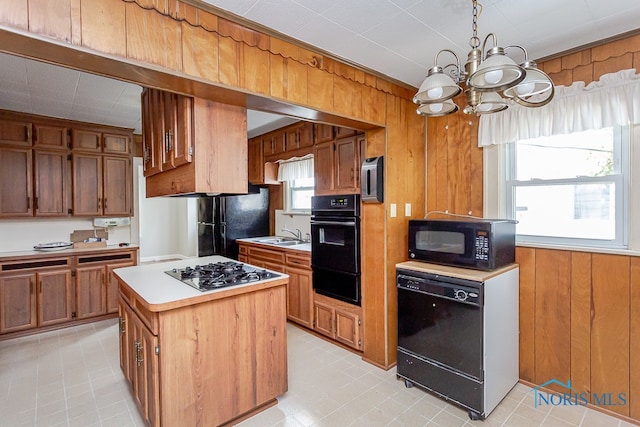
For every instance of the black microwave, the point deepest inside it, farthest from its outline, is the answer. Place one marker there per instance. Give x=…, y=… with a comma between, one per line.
x=484, y=244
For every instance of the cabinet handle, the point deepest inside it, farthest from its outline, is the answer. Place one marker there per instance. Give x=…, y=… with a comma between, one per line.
x=146, y=154
x=35, y=203
x=122, y=325
x=139, y=359
x=169, y=143
x=99, y=203
x=40, y=287
x=104, y=203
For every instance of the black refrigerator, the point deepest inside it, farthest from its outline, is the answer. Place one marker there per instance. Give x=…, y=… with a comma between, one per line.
x=223, y=219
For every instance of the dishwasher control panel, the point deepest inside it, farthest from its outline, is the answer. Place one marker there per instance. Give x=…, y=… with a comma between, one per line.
x=461, y=290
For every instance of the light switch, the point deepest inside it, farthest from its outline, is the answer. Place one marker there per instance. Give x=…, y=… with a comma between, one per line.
x=407, y=209
x=393, y=210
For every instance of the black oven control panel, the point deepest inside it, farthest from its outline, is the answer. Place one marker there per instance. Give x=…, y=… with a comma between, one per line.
x=461, y=290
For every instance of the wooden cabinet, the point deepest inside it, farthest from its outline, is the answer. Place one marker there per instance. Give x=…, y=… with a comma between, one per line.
x=17, y=302
x=297, y=264
x=299, y=136
x=299, y=289
x=55, y=303
x=274, y=144
x=260, y=172
x=40, y=176
x=338, y=320
x=337, y=165
x=212, y=160
x=42, y=292
x=178, y=362
x=102, y=185
x=322, y=133
x=31, y=299
x=51, y=172
x=16, y=185
x=167, y=130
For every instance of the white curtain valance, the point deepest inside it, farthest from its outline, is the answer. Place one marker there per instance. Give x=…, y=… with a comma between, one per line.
x=295, y=168
x=614, y=100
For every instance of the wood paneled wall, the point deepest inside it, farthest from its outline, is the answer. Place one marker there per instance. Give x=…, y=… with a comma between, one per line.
x=579, y=311
x=183, y=46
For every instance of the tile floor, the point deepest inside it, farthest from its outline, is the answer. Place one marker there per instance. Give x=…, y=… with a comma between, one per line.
x=72, y=377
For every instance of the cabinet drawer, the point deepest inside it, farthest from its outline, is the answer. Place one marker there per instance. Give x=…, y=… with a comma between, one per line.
x=150, y=319
x=298, y=260
x=243, y=250
x=267, y=255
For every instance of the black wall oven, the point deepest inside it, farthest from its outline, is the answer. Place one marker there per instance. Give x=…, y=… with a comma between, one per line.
x=335, y=246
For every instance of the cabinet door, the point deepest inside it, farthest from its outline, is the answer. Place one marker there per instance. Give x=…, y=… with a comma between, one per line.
x=274, y=143
x=347, y=328
x=86, y=140
x=112, y=286
x=17, y=303
x=182, y=140
x=50, y=136
x=125, y=337
x=118, y=187
x=345, y=165
x=322, y=133
x=343, y=132
x=90, y=292
x=323, y=319
x=51, y=196
x=299, y=136
x=116, y=144
x=87, y=184
x=15, y=132
x=54, y=297
x=151, y=152
x=300, y=296
x=323, y=167
x=256, y=161
x=15, y=182
x=361, y=147
x=146, y=379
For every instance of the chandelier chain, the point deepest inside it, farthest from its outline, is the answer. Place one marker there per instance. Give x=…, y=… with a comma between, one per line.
x=474, y=42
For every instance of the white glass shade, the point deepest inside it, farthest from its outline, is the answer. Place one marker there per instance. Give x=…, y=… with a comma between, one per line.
x=437, y=87
x=437, y=109
x=490, y=102
x=536, y=82
x=497, y=72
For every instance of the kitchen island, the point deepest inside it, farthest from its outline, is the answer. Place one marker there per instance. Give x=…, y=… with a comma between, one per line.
x=201, y=358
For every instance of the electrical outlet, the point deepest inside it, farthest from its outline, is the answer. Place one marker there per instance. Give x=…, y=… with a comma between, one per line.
x=393, y=212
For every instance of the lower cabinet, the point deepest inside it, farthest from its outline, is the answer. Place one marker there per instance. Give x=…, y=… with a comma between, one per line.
x=297, y=265
x=39, y=292
x=338, y=320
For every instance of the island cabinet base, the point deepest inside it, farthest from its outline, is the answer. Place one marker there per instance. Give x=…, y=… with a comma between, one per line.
x=211, y=363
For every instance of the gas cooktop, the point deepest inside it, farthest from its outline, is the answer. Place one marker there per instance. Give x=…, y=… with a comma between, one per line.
x=218, y=275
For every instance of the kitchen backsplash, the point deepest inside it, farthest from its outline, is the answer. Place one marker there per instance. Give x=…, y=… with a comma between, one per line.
x=291, y=222
x=23, y=235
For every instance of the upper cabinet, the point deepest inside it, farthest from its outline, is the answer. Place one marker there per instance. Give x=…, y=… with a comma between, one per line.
x=167, y=121
x=192, y=145
x=56, y=168
x=337, y=164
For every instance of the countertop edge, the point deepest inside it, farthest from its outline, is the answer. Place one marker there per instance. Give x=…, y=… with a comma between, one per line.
x=461, y=273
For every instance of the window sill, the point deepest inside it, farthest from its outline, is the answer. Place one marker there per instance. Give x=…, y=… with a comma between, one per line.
x=296, y=213
x=591, y=249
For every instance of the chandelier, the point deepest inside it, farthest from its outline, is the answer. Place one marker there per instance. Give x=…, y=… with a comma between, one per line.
x=491, y=79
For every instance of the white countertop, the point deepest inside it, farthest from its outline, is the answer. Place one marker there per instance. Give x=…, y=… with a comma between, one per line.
x=156, y=288
x=304, y=247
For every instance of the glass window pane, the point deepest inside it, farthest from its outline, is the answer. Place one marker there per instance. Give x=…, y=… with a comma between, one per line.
x=589, y=153
x=581, y=210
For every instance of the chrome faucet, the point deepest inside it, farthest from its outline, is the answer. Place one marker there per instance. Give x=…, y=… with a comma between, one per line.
x=296, y=233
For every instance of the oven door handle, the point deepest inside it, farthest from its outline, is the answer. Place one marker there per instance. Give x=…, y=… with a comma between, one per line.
x=343, y=223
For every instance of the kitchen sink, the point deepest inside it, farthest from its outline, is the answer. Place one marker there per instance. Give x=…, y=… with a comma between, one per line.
x=289, y=243
x=280, y=241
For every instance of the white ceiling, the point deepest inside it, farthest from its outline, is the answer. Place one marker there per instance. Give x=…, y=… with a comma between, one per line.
x=397, y=38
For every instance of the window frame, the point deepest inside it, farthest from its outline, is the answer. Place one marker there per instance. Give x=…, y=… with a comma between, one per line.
x=623, y=156
x=288, y=199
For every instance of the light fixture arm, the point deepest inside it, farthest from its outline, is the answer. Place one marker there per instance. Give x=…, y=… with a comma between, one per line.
x=458, y=74
x=484, y=44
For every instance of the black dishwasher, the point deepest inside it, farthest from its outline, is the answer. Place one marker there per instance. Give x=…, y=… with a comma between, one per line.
x=457, y=333
x=440, y=335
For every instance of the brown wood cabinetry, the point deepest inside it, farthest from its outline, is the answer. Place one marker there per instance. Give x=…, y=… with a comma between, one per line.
x=297, y=264
x=337, y=165
x=204, y=152
x=338, y=320
x=260, y=172
x=34, y=298
x=90, y=172
x=40, y=292
x=159, y=350
x=298, y=136
x=322, y=133
x=167, y=130
x=16, y=185
x=274, y=143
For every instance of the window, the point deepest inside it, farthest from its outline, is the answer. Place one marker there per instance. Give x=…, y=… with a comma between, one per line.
x=298, y=194
x=570, y=189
